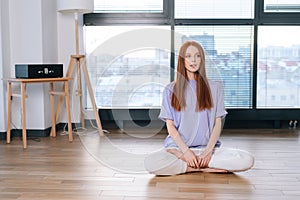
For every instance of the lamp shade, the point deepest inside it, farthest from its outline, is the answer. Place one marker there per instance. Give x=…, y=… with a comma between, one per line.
x=75, y=6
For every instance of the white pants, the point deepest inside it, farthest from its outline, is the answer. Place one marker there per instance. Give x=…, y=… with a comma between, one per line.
x=165, y=163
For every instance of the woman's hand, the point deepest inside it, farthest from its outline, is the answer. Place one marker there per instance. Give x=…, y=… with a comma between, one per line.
x=190, y=158
x=204, y=159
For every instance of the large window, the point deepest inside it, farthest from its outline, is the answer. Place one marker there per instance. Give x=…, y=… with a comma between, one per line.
x=211, y=9
x=228, y=55
x=128, y=6
x=278, y=67
x=129, y=66
x=281, y=6
x=252, y=46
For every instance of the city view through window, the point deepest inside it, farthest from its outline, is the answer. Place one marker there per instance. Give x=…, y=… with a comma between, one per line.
x=128, y=71
x=135, y=78
x=228, y=59
x=278, y=77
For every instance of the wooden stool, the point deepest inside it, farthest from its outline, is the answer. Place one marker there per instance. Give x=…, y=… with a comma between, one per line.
x=23, y=97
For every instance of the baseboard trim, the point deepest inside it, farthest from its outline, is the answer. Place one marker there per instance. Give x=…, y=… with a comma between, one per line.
x=35, y=133
x=110, y=124
x=30, y=133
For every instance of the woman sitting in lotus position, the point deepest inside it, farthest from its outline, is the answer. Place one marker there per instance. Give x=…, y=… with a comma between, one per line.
x=193, y=109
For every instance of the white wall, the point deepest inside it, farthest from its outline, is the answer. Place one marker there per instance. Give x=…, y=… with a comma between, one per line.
x=4, y=59
x=32, y=31
x=26, y=47
x=31, y=37
x=49, y=48
x=2, y=107
x=66, y=48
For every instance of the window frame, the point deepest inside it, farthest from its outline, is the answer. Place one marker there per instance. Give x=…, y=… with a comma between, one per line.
x=101, y=19
x=167, y=18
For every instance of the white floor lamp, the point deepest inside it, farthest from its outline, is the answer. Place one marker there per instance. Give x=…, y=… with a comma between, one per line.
x=77, y=7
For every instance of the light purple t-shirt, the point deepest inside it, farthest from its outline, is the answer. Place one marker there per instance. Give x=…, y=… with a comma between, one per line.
x=194, y=127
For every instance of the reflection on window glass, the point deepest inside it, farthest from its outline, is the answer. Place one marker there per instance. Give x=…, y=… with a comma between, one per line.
x=238, y=9
x=128, y=6
x=278, y=67
x=228, y=56
x=282, y=6
x=129, y=66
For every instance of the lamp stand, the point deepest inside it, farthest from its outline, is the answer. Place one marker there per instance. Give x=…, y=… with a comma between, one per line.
x=79, y=61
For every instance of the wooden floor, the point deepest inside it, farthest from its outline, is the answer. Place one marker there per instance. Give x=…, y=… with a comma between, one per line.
x=111, y=168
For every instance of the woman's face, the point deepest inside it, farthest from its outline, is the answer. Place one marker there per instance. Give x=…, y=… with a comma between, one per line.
x=192, y=59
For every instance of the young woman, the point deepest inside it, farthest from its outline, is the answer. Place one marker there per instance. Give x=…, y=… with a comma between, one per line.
x=193, y=109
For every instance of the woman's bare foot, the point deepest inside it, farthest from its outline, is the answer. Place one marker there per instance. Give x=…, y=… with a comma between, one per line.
x=177, y=153
x=191, y=169
x=207, y=170
x=212, y=170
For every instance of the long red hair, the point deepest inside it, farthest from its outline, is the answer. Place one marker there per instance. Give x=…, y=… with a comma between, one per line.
x=204, y=99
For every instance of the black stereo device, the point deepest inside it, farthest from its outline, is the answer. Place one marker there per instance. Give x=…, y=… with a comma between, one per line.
x=38, y=70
